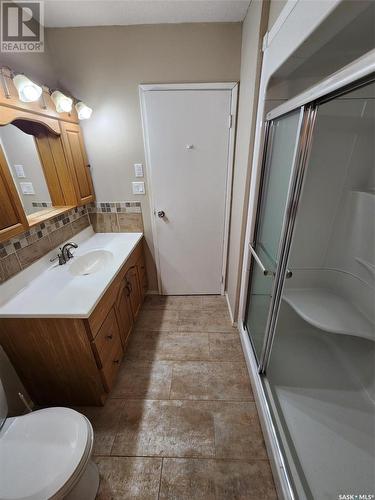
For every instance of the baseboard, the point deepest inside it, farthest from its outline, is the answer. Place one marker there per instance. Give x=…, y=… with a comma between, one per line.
x=280, y=476
x=234, y=323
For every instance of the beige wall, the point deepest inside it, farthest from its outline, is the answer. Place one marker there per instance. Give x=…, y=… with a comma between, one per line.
x=276, y=6
x=38, y=66
x=254, y=27
x=104, y=66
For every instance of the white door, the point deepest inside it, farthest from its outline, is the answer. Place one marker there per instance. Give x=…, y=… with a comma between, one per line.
x=187, y=132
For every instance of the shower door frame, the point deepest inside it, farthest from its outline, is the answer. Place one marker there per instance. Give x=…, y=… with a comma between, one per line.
x=300, y=162
x=357, y=74
x=267, y=146
x=304, y=136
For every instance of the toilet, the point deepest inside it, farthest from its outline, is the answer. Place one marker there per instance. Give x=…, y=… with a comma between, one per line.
x=46, y=454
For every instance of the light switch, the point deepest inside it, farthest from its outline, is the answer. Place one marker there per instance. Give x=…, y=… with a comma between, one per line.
x=27, y=188
x=19, y=171
x=138, y=187
x=138, y=169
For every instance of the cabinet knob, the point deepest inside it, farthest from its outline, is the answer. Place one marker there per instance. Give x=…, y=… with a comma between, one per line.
x=109, y=337
x=116, y=361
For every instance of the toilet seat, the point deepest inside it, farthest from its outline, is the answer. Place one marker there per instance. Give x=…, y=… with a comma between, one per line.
x=42, y=454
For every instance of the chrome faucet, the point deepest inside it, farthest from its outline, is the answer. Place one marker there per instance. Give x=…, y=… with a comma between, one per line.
x=65, y=254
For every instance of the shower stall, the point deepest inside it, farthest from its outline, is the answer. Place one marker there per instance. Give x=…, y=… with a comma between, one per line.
x=310, y=311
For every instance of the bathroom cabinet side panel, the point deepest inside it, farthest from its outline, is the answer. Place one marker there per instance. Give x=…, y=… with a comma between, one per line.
x=54, y=360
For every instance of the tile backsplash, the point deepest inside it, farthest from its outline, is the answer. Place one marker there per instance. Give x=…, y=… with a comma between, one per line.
x=41, y=204
x=22, y=250
x=116, y=207
x=116, y=217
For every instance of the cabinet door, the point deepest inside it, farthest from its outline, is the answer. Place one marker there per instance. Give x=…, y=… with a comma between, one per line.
x=135, y=297
x=142, y=276
x=77, y=160
x=56, y=170
x=12, y=216
x=124, y=313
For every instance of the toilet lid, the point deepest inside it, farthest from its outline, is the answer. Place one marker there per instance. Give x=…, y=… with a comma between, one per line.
x=41, y=451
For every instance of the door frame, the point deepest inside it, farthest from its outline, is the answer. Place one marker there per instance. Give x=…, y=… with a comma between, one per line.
x=232, y=121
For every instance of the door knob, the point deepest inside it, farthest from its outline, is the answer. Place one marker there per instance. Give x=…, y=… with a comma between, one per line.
x=161, y=214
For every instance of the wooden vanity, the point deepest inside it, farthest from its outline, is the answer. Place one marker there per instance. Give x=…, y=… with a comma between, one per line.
x=74, y=361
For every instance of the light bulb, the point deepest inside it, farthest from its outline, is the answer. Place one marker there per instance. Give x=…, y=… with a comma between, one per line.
x=62, y=102
x=28, y=91
x=84, y=112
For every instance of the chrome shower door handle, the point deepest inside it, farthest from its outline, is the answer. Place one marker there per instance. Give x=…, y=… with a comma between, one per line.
x=161, y=214
x=265, y=271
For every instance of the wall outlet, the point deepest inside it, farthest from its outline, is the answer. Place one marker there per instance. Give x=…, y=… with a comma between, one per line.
x=138, y=187
x=27, y=188
x=138, y=169
x=20, y=172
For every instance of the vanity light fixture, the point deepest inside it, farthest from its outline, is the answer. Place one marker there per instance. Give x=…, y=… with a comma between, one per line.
x=84, y=112
x=62, y=102
x=28, y=91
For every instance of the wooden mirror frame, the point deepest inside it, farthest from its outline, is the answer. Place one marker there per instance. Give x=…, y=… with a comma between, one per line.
x=61, y=152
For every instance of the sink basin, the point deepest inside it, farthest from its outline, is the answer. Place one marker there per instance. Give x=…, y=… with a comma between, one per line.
x=90, y=262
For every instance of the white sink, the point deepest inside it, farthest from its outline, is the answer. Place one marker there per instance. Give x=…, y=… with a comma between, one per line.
x=90, y=262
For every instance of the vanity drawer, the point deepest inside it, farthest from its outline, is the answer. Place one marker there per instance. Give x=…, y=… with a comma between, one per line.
x=107, y=342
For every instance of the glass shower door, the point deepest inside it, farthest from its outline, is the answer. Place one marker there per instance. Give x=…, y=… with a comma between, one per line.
x=320, y=377
x=277, y=171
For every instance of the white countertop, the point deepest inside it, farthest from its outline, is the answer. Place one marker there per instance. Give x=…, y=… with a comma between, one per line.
x=50, y=291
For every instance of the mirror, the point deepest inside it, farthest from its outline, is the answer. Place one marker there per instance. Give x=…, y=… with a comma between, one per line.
x=24, y=163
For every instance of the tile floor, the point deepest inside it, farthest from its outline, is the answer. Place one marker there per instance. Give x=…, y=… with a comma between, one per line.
x=181, y=422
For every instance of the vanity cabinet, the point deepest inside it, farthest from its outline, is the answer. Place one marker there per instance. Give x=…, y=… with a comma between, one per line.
x=74, y=361
x=12, y=217
x=77, y=161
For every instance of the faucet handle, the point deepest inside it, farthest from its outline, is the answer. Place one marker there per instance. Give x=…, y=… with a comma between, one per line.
x=61, y=258
x=69, y=253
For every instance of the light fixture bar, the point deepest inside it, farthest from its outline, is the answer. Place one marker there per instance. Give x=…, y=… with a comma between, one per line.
x=4, y=84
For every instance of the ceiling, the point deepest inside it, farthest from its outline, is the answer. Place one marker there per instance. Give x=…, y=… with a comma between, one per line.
x=74, y=13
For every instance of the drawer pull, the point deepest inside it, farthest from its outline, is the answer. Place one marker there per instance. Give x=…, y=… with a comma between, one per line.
x=116, y=361
x=109, y=337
